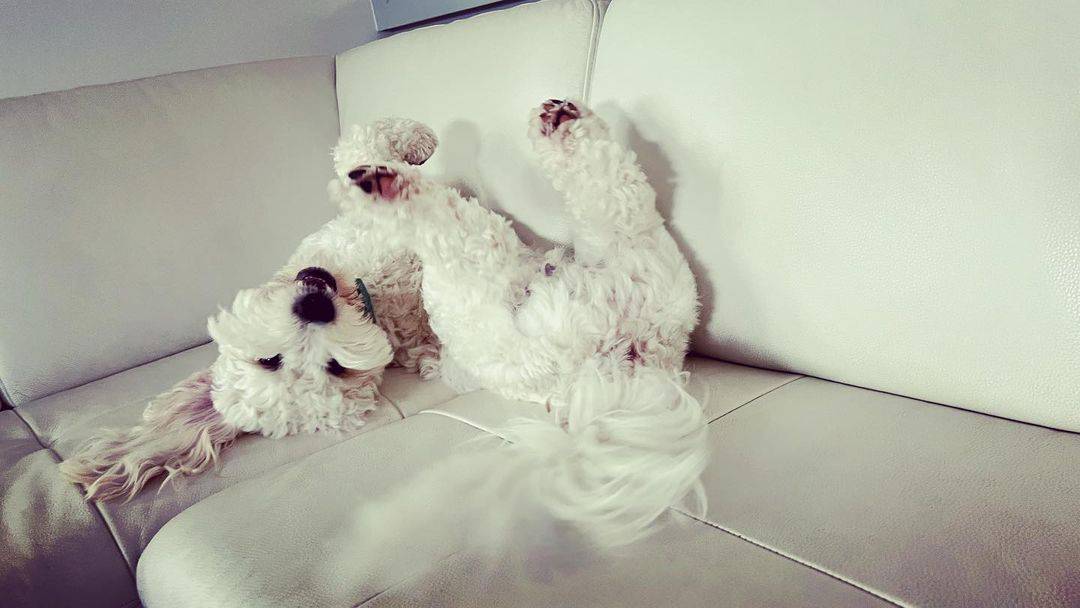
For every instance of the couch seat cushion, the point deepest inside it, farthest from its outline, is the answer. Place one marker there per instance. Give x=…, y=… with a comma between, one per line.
x=271, y=540
x=64, y=420
x=922, y=503
x=54, y=551
x=819, y=494
x=224, y=551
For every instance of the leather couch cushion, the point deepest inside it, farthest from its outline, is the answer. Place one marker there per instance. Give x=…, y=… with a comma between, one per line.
x=411, y=394
x=64, y=420
x=924, y=504
x=474, y=81
x=882, y=194
x=132, y=210
x=687, y=564
x=720, y=387
x=54, y=551
x=819, y=494
x=224, y=551
x=280, y=539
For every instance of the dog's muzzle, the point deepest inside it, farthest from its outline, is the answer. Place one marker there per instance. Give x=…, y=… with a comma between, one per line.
x=315, y=304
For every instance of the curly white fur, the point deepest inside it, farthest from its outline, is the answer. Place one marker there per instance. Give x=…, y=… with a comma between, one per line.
x=599, y=336
x=302, y=392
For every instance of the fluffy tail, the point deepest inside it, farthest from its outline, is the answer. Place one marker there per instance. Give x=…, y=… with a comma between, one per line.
x=607, y=465
x=181, y=432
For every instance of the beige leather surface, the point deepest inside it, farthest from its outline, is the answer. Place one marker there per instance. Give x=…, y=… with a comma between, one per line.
x=411, y=394
x=53, y=549
x=474, y=81
x=929, y=505
x=281, y=539
x=16, y=440
x=883, y=194
x=224, y=551
x=867, y=497
x=687, y=564
x=721, y=387
x=131, y=210
x=64, y=420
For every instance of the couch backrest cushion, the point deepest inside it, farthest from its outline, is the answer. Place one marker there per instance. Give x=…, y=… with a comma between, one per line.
x=474, y=82
x=883, y=194
x=129, y=211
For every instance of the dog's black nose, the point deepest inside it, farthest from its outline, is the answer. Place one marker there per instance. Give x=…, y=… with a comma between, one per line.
x=318, y=278
x=314, y=307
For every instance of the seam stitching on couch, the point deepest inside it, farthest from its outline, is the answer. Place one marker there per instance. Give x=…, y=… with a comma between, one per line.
x=594, y=44
x=839, y=577
x=742, y=405
x=93, y=506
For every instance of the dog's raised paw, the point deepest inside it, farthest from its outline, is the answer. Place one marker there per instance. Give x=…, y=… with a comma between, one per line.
x=379, y=181
x=555, y=112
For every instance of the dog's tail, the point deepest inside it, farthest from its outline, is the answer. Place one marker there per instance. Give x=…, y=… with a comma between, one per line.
x=620, y=453
x=181, y=432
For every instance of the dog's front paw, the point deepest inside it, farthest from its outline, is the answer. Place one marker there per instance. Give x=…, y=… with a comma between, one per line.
x=555, y=112
x=379, y=181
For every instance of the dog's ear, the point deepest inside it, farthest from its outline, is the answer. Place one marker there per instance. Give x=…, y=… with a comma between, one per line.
x=181, y=432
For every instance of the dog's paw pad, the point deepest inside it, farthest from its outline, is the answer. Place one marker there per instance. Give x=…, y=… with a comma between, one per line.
x=555, y=112
x=378, y=180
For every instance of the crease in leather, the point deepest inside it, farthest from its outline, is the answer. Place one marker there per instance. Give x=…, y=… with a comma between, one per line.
x=92, y=506
x=405, y=581
x=334, y=83
x=7, y=396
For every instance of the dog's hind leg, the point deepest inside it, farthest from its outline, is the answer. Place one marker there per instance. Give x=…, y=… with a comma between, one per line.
x=476, y=272
x=608, y=199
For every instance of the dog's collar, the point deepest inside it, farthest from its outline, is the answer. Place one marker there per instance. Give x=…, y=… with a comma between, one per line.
x=369, y=308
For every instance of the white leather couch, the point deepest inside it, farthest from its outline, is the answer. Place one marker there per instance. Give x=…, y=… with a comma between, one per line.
x=882, y=206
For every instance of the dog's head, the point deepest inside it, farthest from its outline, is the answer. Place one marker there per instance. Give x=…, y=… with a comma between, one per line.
x=297, y=355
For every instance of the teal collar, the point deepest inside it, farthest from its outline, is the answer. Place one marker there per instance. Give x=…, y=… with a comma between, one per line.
x=369, y=308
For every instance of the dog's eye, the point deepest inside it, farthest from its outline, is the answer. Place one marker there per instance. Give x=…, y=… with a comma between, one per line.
x=271, y=363
x=334, y=368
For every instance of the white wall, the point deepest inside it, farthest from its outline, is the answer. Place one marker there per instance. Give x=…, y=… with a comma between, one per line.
x=46, y=45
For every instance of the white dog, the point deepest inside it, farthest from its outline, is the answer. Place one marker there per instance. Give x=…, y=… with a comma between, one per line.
x=302, y=353
x=599, y=337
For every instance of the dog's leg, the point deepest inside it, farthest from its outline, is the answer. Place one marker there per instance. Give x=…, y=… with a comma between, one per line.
x=617, y=230
x=475, y=271
x=608, y=198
